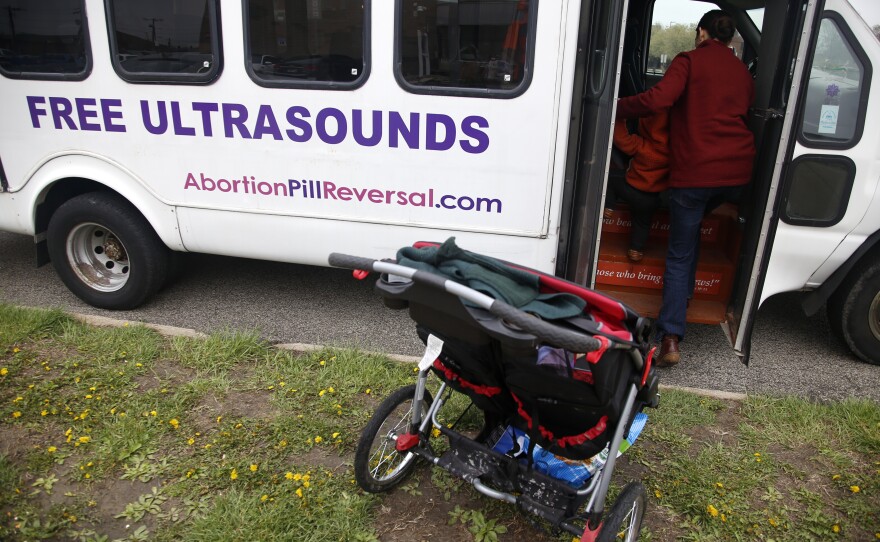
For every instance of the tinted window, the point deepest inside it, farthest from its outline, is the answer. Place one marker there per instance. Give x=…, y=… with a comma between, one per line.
x=465, y=44
x=818, y=190
x=306, y=42
x=164, y=40
x=835, y=91
x=47, y=37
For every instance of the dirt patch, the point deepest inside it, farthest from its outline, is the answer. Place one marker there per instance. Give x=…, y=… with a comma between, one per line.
x=164, y=372
x=255, y=405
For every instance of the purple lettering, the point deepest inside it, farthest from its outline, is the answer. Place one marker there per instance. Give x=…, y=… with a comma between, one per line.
x=32, y=102
x=191, y=182
x=470, y=127
x=266, y=124
x=207, y=183
x=206, y=108
x=376, y=196
x=432, y=143
x=329, y=190
x=344, y=193
x=179, y=128
x=357, y=128
x=148, y=123
x=401, y=198
x=293, y=185
x=302, y=131
x=417, y=199
x=234, y=116
x=396, y=128
x=109, y=115
x=61, y=110
x=359, y=194
x=83, y=114
x=321, y=126
x=224, y=185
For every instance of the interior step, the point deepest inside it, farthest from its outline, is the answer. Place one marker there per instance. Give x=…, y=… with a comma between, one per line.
x=647, y=303
x=714, y=273
x=715, y=227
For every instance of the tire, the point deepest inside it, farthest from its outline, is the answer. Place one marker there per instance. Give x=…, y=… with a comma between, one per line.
x=854, y=311
x=376, y=446
x=106, y=252
x=624, y=521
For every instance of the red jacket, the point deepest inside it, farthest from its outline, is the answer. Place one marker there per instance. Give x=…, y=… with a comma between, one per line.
x=709, y=91
x=649, y=168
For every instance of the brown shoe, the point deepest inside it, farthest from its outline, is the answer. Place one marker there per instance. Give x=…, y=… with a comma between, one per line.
x=634, y=255
x=669, y=353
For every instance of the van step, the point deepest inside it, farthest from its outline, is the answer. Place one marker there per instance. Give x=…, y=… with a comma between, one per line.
x=714, y=229
x=647, y=303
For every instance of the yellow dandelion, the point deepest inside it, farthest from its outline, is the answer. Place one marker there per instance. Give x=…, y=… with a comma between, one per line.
x=299, y=492
x=219, y=419
x=85, y=439
x=297, y=477
x=339, y=413
x=855, y=489
x=113, y=410
x=87, y=476
x=16, y=350
x=435, y=432
x=238, y=426
x=190, y=441
x=323, y=363
x=306, y=483
x=254, y=467
x=271, y=388
x=288, y=475
x=4, y=371
x=89, y=396
x=44, y=413
x=122, y=414
x=233, y=475
x=208, y=447
x=264, y=498
x=712, y=511
x=51, y=449
x=174, y=423
x=835, y=528
x=138, y=364
x=658, y=494
x=368, y=391
x=321, y=393
x=153, y=413
x=836, y=477
x=773, y=522
x=723, y=518
x=336, y=434
x=318, y=440
x=283, y=443
x=18, y=399
x=719, y=485
x=16, y=414
x=331, y=390
x=282, y=384
x=77, y=379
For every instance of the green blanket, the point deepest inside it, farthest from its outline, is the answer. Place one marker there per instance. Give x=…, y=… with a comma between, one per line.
x=491, y=277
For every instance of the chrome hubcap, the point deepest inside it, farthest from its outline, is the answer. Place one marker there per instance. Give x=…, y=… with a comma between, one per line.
x=98, y=257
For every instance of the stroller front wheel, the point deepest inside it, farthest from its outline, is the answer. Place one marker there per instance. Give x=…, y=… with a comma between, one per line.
x=378, y=466
x=624, y=521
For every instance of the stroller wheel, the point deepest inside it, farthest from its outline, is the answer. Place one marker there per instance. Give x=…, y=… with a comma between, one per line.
x=378, y=466
x=624, y=521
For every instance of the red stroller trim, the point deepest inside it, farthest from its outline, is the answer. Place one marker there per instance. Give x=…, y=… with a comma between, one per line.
x=562, y=442
x=487, y=391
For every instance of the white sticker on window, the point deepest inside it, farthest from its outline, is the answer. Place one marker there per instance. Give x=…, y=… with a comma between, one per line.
x=828, y=119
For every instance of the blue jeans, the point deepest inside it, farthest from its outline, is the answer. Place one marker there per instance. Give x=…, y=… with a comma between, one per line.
x=687, y=207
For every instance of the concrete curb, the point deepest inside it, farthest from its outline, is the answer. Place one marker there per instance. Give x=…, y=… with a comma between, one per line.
x=103, y=321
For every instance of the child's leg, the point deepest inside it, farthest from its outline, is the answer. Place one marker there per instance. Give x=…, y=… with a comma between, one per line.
x=642, y=205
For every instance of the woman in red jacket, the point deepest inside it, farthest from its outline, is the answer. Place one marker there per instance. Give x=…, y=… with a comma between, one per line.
x=709, y=92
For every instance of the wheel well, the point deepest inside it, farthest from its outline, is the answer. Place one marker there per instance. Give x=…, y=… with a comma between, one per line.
x=869, y=251
x=58, y=193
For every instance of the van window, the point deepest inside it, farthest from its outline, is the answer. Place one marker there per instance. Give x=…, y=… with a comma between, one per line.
x=45, y=41
x=837, y=90
x=817, y=190
x=164, y=40
x=468, y=47
x=291, y=43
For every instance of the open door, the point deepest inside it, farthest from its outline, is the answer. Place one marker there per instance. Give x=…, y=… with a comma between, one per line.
x=774, y=118
x=599, y=42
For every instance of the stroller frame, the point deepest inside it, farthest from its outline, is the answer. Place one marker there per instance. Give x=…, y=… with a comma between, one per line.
x=490, y=472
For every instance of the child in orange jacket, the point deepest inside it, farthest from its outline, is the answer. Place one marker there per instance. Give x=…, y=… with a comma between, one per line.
x=646, y=177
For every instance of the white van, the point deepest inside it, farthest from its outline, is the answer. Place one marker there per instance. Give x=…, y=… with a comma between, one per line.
x=288, y=129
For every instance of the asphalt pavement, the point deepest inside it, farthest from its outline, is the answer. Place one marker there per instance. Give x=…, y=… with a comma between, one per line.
x=791, y=353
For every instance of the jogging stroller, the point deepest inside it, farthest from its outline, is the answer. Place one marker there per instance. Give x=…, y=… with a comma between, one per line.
x=560, y=382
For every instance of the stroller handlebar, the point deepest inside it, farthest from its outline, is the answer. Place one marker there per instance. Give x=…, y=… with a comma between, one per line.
x=568, y=339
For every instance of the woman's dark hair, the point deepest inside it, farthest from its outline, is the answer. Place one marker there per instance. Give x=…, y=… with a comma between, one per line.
x=719, y=25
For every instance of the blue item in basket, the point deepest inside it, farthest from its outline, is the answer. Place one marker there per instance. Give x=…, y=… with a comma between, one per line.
x=515, y=443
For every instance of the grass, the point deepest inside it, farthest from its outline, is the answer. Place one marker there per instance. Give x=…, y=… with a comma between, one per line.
x=123, y=434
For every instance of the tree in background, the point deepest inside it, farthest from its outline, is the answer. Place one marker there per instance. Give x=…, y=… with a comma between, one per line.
x=667, y=41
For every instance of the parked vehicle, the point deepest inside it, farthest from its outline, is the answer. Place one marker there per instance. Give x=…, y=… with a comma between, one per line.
x=489, y=120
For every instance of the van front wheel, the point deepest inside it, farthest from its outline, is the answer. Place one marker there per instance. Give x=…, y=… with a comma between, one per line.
x=106, y=252
x=854, y=311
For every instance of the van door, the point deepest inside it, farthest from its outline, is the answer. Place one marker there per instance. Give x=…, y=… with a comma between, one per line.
x=781, y=166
